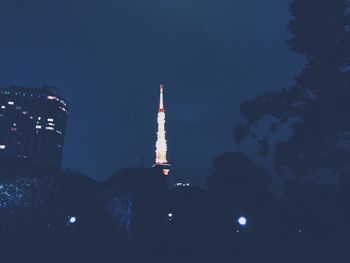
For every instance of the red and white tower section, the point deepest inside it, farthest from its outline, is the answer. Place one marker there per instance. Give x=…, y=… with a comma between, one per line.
x=161, y=145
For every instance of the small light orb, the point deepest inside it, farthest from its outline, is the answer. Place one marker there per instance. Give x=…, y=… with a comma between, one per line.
x=242, y=221
x=170, y=215
x=72, y=219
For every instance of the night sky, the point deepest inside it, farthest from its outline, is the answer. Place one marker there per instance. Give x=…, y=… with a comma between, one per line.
x=108, y=58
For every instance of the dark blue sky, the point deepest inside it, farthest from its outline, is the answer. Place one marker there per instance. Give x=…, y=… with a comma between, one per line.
x=108, y=58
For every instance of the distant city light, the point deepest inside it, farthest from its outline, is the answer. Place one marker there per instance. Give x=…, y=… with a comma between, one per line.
x=182, y=184
x=72, y=219
x=170, y=217
x=242, y=221
x=2, y=147
x=11, y=103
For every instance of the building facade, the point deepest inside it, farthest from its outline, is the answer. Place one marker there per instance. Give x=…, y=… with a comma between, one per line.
x=32, y=124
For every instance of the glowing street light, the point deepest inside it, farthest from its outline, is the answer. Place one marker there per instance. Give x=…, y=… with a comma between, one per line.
x=242, y=221
x=72, y=220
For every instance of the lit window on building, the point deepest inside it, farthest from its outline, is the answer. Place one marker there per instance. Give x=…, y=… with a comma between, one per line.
x=2, y=146
x=39, y=118
x=50, y=119
x=63, y=109
x=49, y=128
x=38, y=126
x=59, y=132
x=3, y=107
x=10, y=103
x=25, y=112
x=51, y=124
x=51, y=98
x=63, y=102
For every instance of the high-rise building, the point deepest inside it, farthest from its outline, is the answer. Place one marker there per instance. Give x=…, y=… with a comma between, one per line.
x=161, y=144
x=32, y=124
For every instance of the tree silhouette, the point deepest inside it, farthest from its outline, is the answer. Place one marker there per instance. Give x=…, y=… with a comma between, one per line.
x=237, y=186
x=318, y=104
x=235, y=174
x=148, y=191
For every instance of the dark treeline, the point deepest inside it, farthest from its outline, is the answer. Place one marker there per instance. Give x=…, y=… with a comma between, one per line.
x=49, y=215
x=63, y=216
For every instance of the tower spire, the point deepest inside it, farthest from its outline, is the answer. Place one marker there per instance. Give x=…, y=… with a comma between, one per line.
x=161, y=100
x=161, y=144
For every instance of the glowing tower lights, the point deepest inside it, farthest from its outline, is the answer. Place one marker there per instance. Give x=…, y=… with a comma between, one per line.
x=161, y=144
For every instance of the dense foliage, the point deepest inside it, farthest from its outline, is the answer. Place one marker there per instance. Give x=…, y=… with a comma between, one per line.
x=318, y=104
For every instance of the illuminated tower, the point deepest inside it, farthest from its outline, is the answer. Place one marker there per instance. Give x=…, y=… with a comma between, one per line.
x=161, y=145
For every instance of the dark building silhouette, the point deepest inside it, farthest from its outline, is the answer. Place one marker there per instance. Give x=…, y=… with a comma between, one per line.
x=32, y=124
